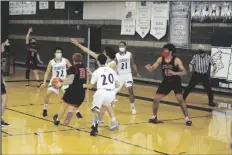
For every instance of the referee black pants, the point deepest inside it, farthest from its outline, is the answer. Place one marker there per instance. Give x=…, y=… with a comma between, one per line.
x=195, y=79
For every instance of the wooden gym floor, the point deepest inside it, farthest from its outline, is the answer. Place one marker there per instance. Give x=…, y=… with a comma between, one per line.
x=29, y=133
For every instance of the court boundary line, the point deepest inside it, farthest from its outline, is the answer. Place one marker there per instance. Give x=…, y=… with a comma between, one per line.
x=84, y=130
x=147, y=99
x=8, y=134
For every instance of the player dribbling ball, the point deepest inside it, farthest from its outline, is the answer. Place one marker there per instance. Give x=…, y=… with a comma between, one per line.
x=56, y=82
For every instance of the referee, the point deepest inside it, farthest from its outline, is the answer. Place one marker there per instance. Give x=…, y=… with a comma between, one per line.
x=200, y=66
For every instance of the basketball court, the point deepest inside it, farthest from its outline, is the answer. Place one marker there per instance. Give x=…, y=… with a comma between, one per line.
x=29, y=133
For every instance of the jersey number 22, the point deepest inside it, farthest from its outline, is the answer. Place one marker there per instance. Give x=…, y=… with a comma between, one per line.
x=107, y=79
x=60, y=73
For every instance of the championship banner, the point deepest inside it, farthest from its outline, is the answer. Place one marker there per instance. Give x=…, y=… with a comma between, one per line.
x=43, y=5
x=179, y=30
x=128, y=19
x=211, y=12
x=222, y=56
x=159, y=19
x=59, y=5
x=15, y=8
x=29, y=8
x=143, y=18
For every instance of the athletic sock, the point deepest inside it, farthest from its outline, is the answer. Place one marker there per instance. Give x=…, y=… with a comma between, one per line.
x=113, y=119
x=45, y=106
x=132, y=106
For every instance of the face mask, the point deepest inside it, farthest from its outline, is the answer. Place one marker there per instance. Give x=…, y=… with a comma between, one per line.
x=201, y=51
x=58, y=55
x=122, y=49
x=33, y=44
x=166, y=54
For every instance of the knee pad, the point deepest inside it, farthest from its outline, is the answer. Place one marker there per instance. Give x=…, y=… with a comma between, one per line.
x=28, y=74
x=95, y=109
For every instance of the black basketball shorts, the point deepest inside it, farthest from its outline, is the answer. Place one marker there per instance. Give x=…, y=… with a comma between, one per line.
x=31, y=64
x=74, y=97
x=167, y=86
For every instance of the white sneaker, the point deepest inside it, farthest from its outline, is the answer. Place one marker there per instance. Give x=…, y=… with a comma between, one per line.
x=133, y=111
x=114, y=125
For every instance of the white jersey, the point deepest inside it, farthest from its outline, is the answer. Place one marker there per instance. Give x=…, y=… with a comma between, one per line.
x=59, y=69
x=105, y=78
x=124, y=63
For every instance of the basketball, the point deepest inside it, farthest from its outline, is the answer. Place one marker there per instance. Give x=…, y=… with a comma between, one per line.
x=55, y=81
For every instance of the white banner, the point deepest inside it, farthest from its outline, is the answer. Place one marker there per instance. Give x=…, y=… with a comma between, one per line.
x=222, y=58
x=179, y=30
x=128, y=19
x=143, y=19
x=29, y=8
x=43, y=5
x=15, y=8
x=59, y=5
x=159, y=19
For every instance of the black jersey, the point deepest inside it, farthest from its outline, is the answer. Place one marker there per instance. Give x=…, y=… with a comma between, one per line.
x=80, y=77
x=167, y=66
x=32, y=53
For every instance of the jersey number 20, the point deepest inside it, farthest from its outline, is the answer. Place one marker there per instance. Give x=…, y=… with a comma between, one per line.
x=60, y=73
x=106, y=79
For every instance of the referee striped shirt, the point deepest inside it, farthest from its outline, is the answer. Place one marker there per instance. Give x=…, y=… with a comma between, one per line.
x=201, y=62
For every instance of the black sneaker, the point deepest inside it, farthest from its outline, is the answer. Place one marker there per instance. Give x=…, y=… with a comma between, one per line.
x=45, y=113
x=78, y=114
x=94, y=131
x=154, y=120
x=4, y=123
x=212, y=104
x=188, y=122
x=55, y=120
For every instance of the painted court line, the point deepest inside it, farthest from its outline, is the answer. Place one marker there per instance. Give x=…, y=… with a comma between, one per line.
x=89, y=132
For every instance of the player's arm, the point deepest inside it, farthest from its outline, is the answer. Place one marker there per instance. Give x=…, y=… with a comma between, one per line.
x=70, y=78
x=212, y=62
x=154, y=66
x=92, y=82
x=48, y=70
x=182, y=71
x=38, y=58
x=117, y=84
x=134, y=66
x=89, y=71
x=68, y=63
x=83, y=48
x=28, y=35
x=192, y=63
x=3, y=81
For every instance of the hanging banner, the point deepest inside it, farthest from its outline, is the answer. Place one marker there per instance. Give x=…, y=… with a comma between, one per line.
x=143, y=19
x=59, y=5
x=211, y=12
x=159, y=19
x=29, y=8
x=43, y=5
x=128, y=19
x=179, y=30
x=15, y=8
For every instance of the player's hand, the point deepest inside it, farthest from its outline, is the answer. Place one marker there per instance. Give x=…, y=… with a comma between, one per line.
x=58, y=85
x=74, y=41
x=30, y=30
x=43, y=85
x=148, y=67
x=84, y=86
x=170, y=73
x=41, y=62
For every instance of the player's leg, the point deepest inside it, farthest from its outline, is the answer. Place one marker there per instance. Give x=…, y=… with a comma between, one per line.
x=28, y=73
x=47, y=96
x=192, y=83
x=161, y=92
x=129, y=86
x=57, y=118
x=78, y=114
x=179, y=96
x=206, y=83
x=36, y=74
x=4, y=103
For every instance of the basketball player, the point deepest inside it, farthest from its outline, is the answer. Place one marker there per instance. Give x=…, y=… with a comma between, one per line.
x=32, y=57
x=106, y=80
x=58, y=66
x=3, y=84
x=172, y=69
x=110, y=54
x=125, y=61
x=75, y=93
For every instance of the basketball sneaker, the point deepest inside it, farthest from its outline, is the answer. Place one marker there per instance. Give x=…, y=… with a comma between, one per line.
x=78, y=114
x=188, y=121
x=154, y=120
x=114, y=125
x=133, y=110
x=4, y=123
x=55, y=120
x=94, y=131
x=45, y=113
